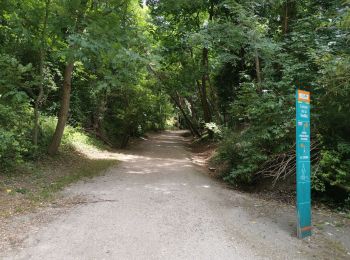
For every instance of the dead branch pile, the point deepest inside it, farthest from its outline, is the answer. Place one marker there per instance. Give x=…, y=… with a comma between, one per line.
x=280, y=166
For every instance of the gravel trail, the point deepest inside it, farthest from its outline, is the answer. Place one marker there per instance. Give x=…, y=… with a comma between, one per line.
x=157, y=204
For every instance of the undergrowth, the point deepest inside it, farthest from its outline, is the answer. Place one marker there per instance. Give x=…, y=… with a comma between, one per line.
x=30, y=184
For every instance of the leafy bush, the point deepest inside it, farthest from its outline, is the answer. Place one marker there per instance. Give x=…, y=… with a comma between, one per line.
x=334, y=164
x=15, y=112
x=263, y=129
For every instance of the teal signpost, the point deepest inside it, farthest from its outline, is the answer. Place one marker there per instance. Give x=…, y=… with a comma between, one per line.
x=303, y=166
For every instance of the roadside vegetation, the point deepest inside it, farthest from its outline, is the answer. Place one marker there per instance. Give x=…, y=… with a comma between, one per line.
x=33, y=184
x=224, y=69
x=232, y=67
x=76, y=63
x=71, y=73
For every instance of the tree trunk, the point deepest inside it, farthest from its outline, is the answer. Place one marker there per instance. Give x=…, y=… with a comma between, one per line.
x=41, y=94
x=214, y=103
x=37, y=106
x=205, y=77
x=285, y=20
x=258, y=70
x=125, y=139
x=203, y=87
x=288, y=14
x=98, y=115
x=193, y=108
x=192, y=128
x=63, y=113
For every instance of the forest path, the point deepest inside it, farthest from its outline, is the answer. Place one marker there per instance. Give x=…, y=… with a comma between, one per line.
x=157, y=204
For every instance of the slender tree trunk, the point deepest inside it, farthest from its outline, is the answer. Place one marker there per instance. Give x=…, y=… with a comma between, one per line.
x=205, y=105
x=189, y=123
x=204, y=96
x=37, y=106
x=98, y=115
x=201, y=86
x=204, y=101
x=205, y=77
x=211, y=10
x=41, y=94
x=258, y=70
x=193, y=108
x=214, y=103
x=67, y=84
x=288, y=14
x=285, y=20
x=126, y=136
x=63, y=113
x=176, y=99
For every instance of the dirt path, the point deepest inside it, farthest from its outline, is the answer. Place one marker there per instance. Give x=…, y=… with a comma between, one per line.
x=158, y=205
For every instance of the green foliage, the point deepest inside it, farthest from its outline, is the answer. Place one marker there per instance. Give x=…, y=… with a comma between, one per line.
x=257, y=55
x=112, y=93
x=263, y=126
x=335, y=164
x=14, y=112
x=228, y=68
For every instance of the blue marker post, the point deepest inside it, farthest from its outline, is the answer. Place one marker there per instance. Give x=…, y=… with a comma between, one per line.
x=303, y=163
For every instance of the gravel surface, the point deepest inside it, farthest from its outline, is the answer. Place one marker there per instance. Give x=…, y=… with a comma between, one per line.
x=157, y=204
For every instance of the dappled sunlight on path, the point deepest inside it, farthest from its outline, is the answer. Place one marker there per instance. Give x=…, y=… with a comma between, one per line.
x=157, y=204
x=161, y=141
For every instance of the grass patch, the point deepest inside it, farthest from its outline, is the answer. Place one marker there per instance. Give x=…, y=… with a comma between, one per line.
x=38, y=185
x=85, y=169
x=34, y=184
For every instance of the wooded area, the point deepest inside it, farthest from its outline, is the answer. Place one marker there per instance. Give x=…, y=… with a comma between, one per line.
x=225, y=69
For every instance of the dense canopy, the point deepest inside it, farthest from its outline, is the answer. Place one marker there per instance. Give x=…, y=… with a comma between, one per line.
x=226, y=70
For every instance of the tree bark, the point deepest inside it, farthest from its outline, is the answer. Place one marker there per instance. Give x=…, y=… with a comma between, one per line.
x=203, y=87
x=205, y=76
x=192, y=128
x=214, y=103
x=211, y=10
x=285, y=20
x=125, y=140
x=288, y=14
x=98, y=115
x=193, y=108
x=40, y=97
x=64, y=109
x=258, y=70
x=37, y=107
